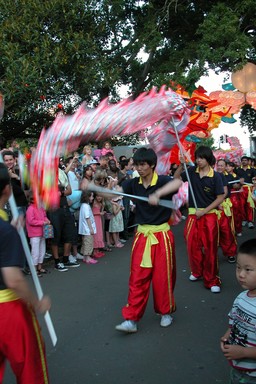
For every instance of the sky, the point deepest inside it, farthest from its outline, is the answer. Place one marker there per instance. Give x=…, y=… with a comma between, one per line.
x=212, y=83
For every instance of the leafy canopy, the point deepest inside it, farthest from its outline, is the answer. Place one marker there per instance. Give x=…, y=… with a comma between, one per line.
x=57, y=53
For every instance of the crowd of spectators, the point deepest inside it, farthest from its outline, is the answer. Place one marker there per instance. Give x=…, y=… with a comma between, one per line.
x=85, y=226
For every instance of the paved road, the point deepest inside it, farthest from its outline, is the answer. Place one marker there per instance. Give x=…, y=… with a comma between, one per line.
x=86, y=307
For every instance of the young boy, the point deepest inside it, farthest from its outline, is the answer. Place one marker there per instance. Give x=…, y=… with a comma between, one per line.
x=239, y=342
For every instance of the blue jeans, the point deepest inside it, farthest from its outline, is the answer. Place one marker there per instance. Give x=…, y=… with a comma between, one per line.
x=240, y=377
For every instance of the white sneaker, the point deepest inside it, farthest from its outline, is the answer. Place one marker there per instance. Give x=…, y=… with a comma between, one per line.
x=244, y=223
x=72, y=259
x=239, y=234
x=215, y=289
x=193, y=278
x=166, y=320
x=127, y=326
x=250, y=225
x=47, y=255
x=79, y=256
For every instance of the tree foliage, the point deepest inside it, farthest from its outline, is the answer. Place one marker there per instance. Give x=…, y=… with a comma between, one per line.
x=57, y=53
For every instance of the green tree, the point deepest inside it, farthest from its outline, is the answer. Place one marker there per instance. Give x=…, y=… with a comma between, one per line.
x=248, y=118
x=57, y=53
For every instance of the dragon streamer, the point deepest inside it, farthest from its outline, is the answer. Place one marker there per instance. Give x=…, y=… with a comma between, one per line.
x=158, y=110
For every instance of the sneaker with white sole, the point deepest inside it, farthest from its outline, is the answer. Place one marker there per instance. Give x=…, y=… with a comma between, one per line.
x=244, y=223
x=166, y=320
x=60, y=267
x=193, y=278
x=127, y=326
x=231, y=259
x=79, y=256
x=71, y=264
x=215, y=289
x=250, y=225
x=47, y=255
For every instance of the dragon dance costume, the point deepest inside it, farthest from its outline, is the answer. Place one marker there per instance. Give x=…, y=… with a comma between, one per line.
x=153, y=253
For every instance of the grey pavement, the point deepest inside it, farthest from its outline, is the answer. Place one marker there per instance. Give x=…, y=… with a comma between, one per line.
x=86, y=306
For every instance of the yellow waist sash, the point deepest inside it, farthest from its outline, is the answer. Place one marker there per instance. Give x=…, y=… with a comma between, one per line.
x=7, y=295
x=192, y=211
x=3, y=215
x=148, y=231
x=226, y=204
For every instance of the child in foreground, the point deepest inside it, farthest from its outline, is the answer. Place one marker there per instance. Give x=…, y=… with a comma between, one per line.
x=239, y=342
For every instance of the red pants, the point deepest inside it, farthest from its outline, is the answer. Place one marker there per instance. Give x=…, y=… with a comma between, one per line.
x=201, y=236
x=237, y=205
x=227, y=239
x=162, y=274
x=21, y=343
x=248, y=211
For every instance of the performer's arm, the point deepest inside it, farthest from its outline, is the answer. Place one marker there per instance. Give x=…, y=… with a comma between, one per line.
x=219, y=199
x=14, y=280
x=168, y=188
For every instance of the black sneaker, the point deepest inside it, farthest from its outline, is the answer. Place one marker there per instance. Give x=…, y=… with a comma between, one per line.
x=231, y=259
x=71, y=264
x=60, y=267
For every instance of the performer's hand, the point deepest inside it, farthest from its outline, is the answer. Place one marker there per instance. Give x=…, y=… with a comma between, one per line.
x=199, y=213
x=43, y=305
x=153, y=199
x=19, y=222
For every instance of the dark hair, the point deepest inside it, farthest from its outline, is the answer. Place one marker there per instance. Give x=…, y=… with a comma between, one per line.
x=146, y=155
x=222, y=160
x=248, y=247
x=245, y=157
x=85, y=197
x=124, y=163
x=122, y=157
x=8, y=153
x=206, y=153
x=231, y=164
x=4, y=177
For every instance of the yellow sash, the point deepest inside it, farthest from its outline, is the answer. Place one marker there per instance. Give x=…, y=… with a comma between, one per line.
x=226, y=204
x=192, y=211
x=3, y=215
x=148, y=231
x=7, y=295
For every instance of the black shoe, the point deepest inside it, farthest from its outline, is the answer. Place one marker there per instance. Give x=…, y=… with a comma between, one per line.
x=231, y=259
x=60, y=267
x=71, y=264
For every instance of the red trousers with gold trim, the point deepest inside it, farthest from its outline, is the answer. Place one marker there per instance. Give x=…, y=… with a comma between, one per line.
x=21, y=344
x=162, y=274
x=201, y=236
x=248, y=211
x=227, y=239
x=237, y=205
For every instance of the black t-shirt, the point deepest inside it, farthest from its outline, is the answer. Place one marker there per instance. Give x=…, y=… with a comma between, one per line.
x=11, y=250
x=145, y=213
x=206, y=189
x=246, y=174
